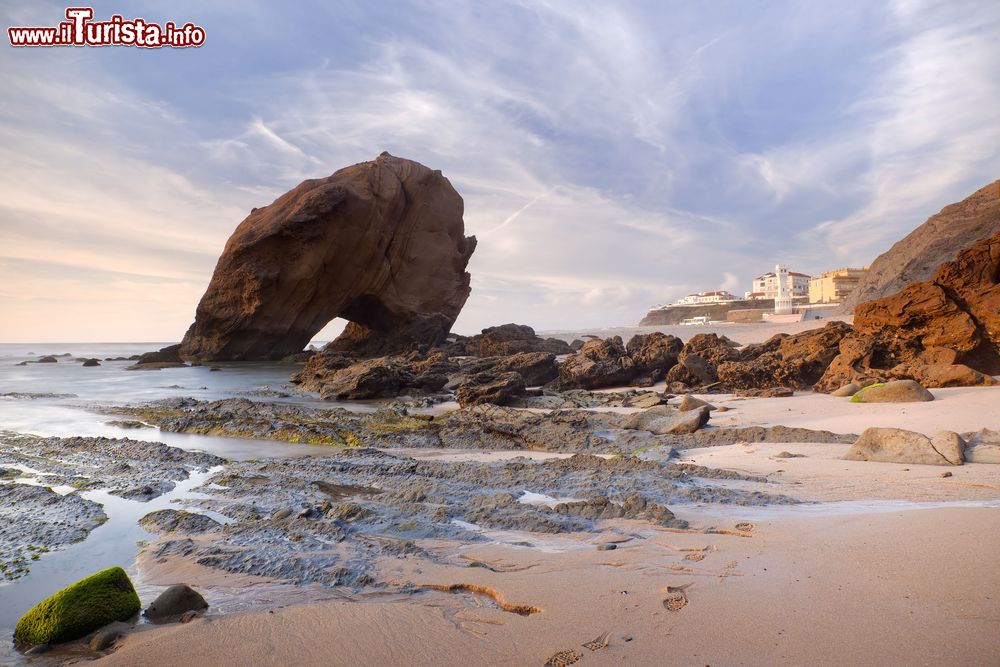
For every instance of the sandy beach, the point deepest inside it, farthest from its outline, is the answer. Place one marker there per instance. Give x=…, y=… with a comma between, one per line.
x=885, y=587
x=884, y=564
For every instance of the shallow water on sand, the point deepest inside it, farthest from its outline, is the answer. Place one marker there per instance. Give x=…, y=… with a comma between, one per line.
x=116, y=542
x=83, y=390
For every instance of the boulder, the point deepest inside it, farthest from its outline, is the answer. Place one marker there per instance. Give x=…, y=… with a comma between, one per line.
x=180, y=521
x=337, y=377
x=599, y=363
x=698, y=367
x=849, y=389
x=699, y=358
x=373, y=378
x=537, y=368
x=941, y=375
x=165, y=357
x=498, y=389
x=899, y=391
x=895, y=445
x=90, y=363
x=79, y=609
x=173, y=602
x=48, y=359
x=983, y=447
x=666, y=419
x=381, y=244
x=653, y=354
x=689, y=402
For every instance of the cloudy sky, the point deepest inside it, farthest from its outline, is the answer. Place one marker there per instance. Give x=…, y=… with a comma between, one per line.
x=611, y=155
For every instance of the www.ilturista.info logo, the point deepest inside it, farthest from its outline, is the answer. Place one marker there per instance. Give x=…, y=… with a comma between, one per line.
x=80, y=30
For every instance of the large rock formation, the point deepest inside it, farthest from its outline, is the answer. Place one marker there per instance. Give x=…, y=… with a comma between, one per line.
x=941, y=332
x=917, y=256
x=380, y=243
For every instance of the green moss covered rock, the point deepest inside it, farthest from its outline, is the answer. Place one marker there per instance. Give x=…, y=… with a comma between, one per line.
x=79, y=609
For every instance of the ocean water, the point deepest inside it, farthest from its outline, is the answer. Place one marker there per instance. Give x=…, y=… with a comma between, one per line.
x=87, y=389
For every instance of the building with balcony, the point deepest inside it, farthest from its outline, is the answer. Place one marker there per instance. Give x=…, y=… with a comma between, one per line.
x=834, y=286
x=766, y=286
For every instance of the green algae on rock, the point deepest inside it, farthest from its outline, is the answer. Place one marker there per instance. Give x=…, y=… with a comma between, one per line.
x=80, y=608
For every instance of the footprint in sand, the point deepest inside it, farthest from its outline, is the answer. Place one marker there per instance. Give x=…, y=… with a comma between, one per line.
x=676, y=598
x=563, y=658
x=599, y=643
x=696, y=557
x=745, y=526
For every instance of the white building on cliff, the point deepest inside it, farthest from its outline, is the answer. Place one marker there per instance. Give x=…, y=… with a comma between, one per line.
x=701, y=298
x=766, y=286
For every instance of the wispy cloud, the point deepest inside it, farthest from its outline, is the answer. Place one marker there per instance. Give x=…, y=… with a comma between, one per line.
x=610, y=157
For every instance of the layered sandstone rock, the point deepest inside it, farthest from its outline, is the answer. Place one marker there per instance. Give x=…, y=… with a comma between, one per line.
x=380, y=243
x=952, y=320
x=916, y=257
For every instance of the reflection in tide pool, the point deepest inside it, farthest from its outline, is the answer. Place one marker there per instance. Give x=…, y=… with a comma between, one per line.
x=116, y=542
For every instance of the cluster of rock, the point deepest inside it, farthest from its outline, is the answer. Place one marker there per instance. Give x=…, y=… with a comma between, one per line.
x=661, y=428
x=942, y=332
x=495, y=366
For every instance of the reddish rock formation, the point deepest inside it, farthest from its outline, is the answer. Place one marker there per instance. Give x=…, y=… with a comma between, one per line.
x=917, y=256
x=599, y=363
x=951, y=320
x=495, y=388
x=505, y=339
x=379, y=243
x=797, y=361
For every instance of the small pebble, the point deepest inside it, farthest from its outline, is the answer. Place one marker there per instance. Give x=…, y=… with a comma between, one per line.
x=945, y=474
x=609, y=546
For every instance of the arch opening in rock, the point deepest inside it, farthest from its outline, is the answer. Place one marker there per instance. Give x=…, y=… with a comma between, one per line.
x=381, y=244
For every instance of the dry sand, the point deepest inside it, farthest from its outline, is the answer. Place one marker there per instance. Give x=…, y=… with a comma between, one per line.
x=960, y=409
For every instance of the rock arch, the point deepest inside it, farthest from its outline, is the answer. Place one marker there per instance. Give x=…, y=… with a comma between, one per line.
x=381, y=244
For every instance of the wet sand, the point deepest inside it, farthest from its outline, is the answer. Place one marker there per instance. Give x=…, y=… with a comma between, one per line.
x=885, y=588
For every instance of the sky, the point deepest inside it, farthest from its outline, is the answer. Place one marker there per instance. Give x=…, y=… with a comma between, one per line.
x=611, y=156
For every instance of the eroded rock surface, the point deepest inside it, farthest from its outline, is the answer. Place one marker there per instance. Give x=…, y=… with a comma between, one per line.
x=128, y=468
x=917, y=256
x=380, y=243
x=35, y=520
x=330, y=520
x=950, y=320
